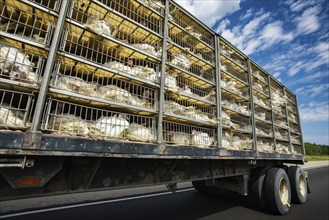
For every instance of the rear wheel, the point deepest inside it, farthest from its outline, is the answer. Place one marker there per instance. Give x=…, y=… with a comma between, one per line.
x=298, y=184
x=257, y=181
x=277, y=192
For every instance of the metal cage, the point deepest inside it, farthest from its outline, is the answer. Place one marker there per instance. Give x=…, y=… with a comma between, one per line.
x=64, y=118
x=18, y=19
x=236, y=141
x=15, y=109
x=187, y=135
x=71, y=78
x=20, y=65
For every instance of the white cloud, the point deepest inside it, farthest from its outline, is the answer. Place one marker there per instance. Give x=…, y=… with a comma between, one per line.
x=298, y=5
x=277, y=74
x=312, y=77
x=313, y=90
x=315, y=111
x=251, y=27
x=246, y=15
x=308, y=22
x=322, y=51
x=210, y=11
x=258, y=34
x=273, y=33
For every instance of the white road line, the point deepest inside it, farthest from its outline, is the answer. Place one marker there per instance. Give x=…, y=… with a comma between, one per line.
x=91, y=203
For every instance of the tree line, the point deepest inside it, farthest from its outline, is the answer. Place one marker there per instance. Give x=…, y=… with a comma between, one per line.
x=316, y=149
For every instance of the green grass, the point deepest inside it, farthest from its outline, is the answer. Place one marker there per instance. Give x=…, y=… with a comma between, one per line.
x=314, y=158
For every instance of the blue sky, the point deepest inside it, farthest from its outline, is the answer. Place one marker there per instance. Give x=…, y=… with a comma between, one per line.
x=289, y=39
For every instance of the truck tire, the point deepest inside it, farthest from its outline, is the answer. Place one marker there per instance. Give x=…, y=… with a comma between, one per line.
x=257, y=182
x=277, y=191
x=298, y=184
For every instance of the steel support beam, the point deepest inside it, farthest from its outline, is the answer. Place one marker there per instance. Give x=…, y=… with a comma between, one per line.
x=163, y=76
x=49, y=66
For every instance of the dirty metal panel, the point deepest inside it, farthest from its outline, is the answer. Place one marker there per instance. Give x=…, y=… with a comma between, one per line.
x=279, y=156
x=241, y=154
x=11, y=139
x=191, y=151
x=73, y=144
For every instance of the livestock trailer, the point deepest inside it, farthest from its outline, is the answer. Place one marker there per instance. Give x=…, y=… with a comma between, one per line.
x=101, y=94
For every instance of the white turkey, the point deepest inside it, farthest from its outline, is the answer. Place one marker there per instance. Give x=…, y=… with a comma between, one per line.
x=264, y=146
x=211, y=96
x=68, y=124
x=223, y=83
x=280, y=148
x=260, y=115
x=294, y=151
x=171, y=82
x=257, y=75
x=243, y=109
x=16, y=64
x=260, y=102
x=144, y=72
x=197, y=114
x=290, y=108
x=282, y=124
x=156, y=4
x=260, y=131
x=292, y=117
x=181, y=60
x=114, y=93
x=246, y=128
x=223, y=67
x=241, y=144
x=278, y=100
x=258, y=87
x=281, y=135
x=112, y=127
x=190, y=30
x=181, y=138
x=226, y=140
x=295, y=139
x=226, y=52
x=231, y=85
x=175, y=108
x=147, y=48
x=236, y=107
x=35, y=37
x=201, y=139
x=74, y=84
x=118, y=66
x=98, y=26
x=137, y=132
x=226, y=119
x=187, y=91
x=9, y=117
x=205, y=117
x=294, y=130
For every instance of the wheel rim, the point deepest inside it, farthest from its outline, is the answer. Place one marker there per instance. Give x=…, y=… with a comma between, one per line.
x=302, y=185
x=284, y=191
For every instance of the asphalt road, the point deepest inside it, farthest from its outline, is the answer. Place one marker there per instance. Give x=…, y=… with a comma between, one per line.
x=191, y=204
